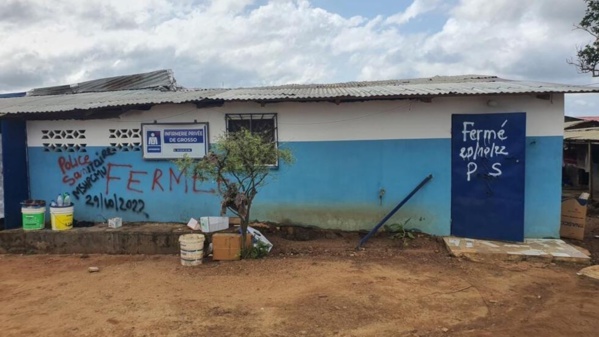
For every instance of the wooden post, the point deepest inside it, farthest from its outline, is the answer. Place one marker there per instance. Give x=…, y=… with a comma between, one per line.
x=590, y=159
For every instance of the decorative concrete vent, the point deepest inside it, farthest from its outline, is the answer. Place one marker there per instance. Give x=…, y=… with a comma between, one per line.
x=64, y=140
x=125, y=139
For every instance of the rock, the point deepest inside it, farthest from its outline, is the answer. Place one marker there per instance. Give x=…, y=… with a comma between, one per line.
x=591, y=272
x=445, y=330
x=93, y=269
x=303, y=332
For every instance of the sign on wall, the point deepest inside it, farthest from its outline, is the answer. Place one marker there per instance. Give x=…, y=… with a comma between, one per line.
x=172, y=141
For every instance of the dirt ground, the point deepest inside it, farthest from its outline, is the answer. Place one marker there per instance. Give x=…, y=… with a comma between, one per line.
x=591, y=237
x=318, y=287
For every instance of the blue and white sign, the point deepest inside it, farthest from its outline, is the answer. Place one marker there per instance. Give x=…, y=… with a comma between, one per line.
x=153, y=141
x=172, y=141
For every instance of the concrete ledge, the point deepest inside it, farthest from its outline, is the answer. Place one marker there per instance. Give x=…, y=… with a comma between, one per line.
x=99, y=239
x=548, y=250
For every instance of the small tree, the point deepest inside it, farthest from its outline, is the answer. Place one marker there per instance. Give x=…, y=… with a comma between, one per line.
x=588, y=56
x=239, y=163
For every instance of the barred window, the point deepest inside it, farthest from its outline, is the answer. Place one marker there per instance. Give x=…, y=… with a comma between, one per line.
x=263, y=124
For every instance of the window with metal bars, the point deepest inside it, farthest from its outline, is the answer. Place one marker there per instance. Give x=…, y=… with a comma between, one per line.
x=263, y=124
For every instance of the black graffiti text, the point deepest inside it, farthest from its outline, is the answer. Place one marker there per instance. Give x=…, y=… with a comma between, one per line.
x=116, y=203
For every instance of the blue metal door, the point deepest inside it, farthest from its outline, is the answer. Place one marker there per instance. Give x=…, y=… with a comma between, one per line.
x=487, y=176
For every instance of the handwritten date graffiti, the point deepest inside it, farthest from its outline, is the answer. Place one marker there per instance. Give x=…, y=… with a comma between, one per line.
x=117, y=203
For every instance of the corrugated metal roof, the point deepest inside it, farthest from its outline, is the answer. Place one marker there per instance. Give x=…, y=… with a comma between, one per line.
x=392, y=89
x=13, y=94
x=572, y=124
x=590, y=118
x=160, y=79
x=97, y=100
x=580, y=124
x=589, y=134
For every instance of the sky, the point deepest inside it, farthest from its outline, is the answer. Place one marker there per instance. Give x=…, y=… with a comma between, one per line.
x=235, y=43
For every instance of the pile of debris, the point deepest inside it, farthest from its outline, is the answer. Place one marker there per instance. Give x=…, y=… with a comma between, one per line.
x=221, y=239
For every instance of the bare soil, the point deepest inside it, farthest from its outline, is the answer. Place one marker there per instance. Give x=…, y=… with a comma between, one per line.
x=318, y=287
x=591, y=236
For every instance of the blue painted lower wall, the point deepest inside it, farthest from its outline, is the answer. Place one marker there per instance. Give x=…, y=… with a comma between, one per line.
x=331, y=185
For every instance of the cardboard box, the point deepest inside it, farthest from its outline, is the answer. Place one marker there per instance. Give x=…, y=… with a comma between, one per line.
x=574, y=217
x=193, y=224
x=227, y=246
x=214, y=223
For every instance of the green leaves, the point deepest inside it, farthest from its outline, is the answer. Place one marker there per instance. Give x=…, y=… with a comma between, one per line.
x=242, y=156
x=588, y=56
x=591, y=18
x=239, y=163
x=400, y=232
x=257, y=251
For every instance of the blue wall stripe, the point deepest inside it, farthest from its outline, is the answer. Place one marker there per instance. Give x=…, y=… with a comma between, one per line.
x=333, y=184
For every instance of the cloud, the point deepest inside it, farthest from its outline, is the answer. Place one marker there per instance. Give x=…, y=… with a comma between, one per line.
x=211, y=43
x=417, y=8
x=582, y=105
x=517, y=39
x=17, y=12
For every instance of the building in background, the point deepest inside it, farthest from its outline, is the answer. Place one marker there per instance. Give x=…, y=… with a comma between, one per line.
x=581, y=156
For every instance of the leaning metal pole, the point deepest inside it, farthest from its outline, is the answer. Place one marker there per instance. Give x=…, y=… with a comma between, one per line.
x=393, y=211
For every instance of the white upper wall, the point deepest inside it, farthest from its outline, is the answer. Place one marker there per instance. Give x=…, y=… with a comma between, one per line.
x=297, y=122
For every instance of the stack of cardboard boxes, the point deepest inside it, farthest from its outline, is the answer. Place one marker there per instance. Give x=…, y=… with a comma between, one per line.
x=574, y=217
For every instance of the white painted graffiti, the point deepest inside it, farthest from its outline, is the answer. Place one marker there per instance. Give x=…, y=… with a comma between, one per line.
x=485, y=143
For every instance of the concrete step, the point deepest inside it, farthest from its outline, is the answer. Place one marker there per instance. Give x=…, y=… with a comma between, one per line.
x=130, y=239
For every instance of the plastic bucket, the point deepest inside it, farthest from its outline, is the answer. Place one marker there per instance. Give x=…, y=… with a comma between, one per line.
x=62, y=218
x=34, y=218
x=192, y=249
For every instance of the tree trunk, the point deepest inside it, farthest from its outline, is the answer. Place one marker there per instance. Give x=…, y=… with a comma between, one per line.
x=245, y=221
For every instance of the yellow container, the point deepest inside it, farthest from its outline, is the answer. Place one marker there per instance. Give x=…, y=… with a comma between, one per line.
x=62, y=218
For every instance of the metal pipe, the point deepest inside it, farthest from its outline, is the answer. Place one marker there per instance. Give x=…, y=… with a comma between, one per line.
x=393, y=211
